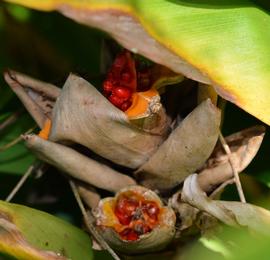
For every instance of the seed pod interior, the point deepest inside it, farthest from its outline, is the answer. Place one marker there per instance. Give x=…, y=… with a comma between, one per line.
x=132, y=221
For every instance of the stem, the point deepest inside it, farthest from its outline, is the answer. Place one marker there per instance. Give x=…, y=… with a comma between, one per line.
x=10, y=120
x=235, y=172
x=21, y=182
x=16, y=140
x=89, y=222
x=221, y=188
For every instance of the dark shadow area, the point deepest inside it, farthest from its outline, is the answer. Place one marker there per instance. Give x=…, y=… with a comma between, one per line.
x=50, y=193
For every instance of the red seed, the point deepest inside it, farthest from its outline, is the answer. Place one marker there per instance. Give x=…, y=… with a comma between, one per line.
x=124, y=219
x=115, y=100
x=127, y=206
x=122, y=92
x=125, y=106
x=124, y=210
x=129, y=234
x=143, y=79
x=126, y=77
x=151, y=209
x=120, y=61
x=107, y=88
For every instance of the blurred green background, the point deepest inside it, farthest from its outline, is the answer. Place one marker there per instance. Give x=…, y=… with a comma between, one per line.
x=49, y=46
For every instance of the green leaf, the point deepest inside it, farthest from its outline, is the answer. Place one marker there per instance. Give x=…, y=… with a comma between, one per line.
x=19, y=13
x=225, y=43
x=17, y=158
x=27, y=233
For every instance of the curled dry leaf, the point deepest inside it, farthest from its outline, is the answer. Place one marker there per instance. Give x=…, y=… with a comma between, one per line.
x=191, y=220
x=135, y=221
x=134, y=136
x=82, y=115
x=186, y=149
x=244, y=145
x=77, y=165
x=229, y=212
x=186, y=213
x=38, y=97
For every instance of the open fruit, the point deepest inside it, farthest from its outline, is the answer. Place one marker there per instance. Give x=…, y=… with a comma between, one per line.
x=133, y=219
x=131, y=85
x=121, y=81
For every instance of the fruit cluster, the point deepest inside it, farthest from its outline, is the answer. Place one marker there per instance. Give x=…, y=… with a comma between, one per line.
x=137, y=215
x=125, y=78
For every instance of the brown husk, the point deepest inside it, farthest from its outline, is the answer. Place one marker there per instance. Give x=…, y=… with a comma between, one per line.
x=185, y=150
x=82, y=115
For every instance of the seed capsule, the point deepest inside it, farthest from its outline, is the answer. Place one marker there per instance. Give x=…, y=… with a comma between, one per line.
x=135, y=221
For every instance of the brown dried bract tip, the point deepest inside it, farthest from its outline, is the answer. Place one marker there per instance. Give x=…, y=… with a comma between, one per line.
x=135, y=220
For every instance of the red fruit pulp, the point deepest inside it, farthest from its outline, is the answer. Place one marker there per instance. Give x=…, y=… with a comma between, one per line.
x=107, y=88
x=139, y=216
x=151, y=209
x=129, y=234
x=123, y=80
x=116, y=100
x=126, y=105
x=123, y=93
